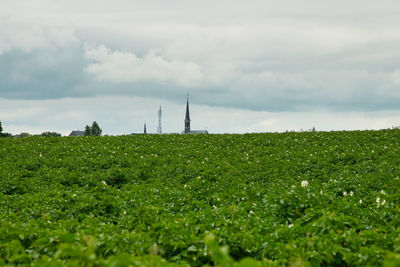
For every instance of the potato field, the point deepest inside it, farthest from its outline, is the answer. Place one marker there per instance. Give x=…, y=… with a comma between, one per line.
x=273, y=199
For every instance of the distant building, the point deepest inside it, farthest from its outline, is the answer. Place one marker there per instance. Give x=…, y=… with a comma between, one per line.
x=187, y=129
x=144, y=130
x=77, y=133
x=198, y=132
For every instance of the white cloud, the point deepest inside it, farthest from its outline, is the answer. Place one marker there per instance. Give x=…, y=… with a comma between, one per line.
x=396, y=77
x=28, y=35
x=125, y=67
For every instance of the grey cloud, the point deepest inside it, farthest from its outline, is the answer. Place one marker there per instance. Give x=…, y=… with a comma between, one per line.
x=61, y=73
x=41, y=74
x=266, y=55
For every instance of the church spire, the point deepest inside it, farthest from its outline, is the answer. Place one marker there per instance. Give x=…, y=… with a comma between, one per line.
x=187, y=117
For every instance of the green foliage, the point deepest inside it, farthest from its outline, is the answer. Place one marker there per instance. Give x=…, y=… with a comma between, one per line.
x=93, y=131
x=24, y=135
x=96, y=131
x=291, y=199
x=50, y=134
x=88, y=130
x=3, y=134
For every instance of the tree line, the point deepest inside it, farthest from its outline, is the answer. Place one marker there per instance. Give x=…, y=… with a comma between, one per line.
x=3, y=134
x=93, y=130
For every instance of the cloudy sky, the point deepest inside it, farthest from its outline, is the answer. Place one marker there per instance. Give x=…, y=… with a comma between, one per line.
x=249, y=66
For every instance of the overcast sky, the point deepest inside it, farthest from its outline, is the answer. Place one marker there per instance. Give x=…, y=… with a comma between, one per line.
x=249, y=66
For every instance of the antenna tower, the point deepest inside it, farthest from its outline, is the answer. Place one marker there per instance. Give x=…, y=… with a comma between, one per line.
x=159, y=129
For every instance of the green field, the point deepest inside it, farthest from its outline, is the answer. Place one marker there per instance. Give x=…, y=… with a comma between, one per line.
x=312, y=198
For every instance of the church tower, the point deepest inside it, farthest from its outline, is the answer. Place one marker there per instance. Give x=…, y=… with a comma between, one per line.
x=187, y=117
x=145, y=129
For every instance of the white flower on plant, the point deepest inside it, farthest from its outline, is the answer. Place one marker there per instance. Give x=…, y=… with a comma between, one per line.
x=290, y=225
x=304, y=183
x=383, y=192
x=379, y=202
x=360, y=201
x=351, y=193
x=345, y=194
x=321, y=192
x=104, y=182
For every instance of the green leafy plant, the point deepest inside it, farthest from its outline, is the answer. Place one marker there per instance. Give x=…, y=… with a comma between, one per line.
x=287, y=199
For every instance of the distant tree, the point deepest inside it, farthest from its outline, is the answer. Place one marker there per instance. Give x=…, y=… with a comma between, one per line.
x=1, y=128
x=96, y=131
x=50, y=134
x=24, y=134
x=88, y=130
x=5, y=135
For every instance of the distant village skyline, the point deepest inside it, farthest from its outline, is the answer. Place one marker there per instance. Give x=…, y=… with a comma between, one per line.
x=186, y=129
x=220, y=120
